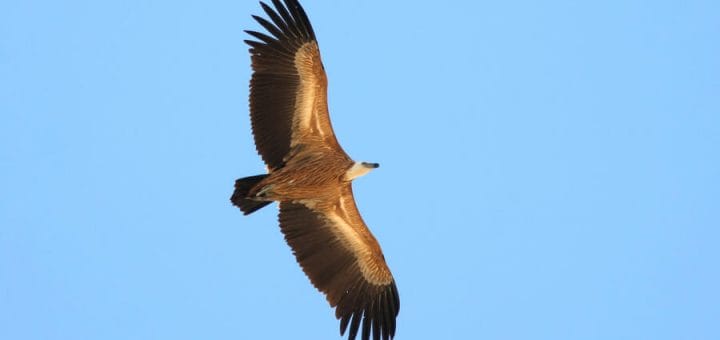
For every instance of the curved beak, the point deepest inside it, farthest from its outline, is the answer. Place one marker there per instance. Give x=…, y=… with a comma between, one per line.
x=371, y=165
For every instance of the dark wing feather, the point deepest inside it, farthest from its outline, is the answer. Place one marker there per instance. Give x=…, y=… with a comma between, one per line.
x=333, y=264
x=288, y=88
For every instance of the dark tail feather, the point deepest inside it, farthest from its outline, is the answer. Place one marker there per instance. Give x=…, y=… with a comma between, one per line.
x=239, y=197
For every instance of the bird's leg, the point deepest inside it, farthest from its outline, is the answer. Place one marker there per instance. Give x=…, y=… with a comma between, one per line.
x=265, y=191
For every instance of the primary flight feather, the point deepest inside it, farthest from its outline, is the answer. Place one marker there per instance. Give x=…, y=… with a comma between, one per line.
x=310, y=176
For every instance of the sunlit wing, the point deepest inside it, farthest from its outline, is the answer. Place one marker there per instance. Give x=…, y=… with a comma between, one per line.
x=341, y=257
x=288, y=88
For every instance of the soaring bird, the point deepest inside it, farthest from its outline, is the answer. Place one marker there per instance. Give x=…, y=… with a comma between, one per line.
x=310, y=176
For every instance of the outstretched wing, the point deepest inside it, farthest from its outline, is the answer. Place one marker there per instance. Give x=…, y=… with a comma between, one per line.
x=341, y=257
x=288, y=89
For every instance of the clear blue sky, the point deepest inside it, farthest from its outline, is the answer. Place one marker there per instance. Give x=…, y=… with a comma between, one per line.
x=549, y=170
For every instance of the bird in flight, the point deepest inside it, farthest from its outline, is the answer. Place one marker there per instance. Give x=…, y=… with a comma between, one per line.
x=310, y=176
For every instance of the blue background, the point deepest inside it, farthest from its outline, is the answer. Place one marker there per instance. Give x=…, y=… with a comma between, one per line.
x=549, y=170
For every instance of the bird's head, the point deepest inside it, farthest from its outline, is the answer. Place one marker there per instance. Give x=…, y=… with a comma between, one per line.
x=358, y=169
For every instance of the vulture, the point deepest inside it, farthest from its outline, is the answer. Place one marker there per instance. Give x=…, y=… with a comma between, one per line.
x=310, y=176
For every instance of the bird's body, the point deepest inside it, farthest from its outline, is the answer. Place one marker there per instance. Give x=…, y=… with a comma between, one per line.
x=307, y=174
x=310, y=176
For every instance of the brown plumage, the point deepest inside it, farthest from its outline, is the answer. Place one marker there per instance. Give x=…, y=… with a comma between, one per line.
x=310, y=176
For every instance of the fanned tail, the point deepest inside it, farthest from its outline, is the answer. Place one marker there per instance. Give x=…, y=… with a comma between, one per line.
x=239, y=196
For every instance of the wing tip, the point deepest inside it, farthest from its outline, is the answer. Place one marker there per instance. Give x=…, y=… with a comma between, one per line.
x=377, y=315
x=289, y=17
